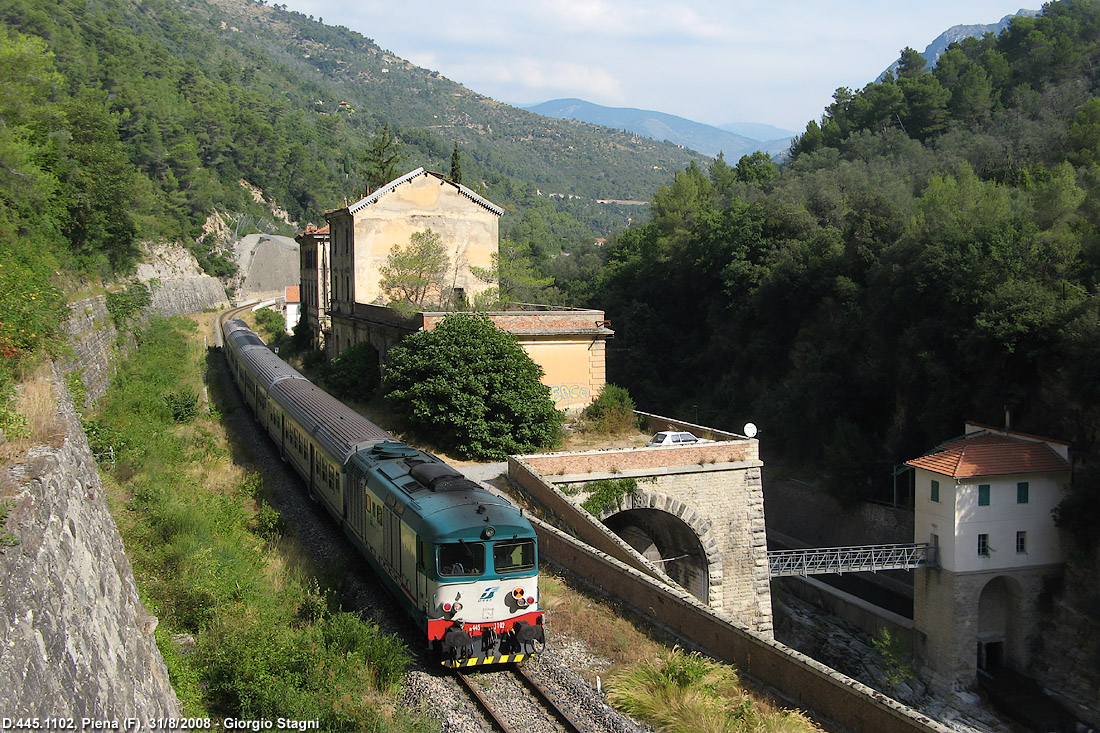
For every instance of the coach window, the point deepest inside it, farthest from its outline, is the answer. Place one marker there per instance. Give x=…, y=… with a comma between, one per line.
x=461, y=558
x=513, y=556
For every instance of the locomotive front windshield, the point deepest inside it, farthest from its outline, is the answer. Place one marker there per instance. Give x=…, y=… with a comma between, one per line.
x=513, y=556
x=462, y=558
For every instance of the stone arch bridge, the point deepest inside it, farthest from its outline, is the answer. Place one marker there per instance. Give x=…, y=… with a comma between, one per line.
x=695, y=513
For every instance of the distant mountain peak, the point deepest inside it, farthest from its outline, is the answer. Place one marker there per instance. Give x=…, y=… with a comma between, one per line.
x=935, y=49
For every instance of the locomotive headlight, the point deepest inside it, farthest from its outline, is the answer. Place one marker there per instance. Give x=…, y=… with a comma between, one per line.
x=488, y=533
x=448, y=607
x=457, y=606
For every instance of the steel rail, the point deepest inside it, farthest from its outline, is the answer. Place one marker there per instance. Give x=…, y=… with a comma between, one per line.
x=541, y=696
x=486, y=708
x=547, y=701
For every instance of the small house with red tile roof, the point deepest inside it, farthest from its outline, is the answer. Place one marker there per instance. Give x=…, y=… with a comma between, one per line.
x=985, y=500
x=292, y=307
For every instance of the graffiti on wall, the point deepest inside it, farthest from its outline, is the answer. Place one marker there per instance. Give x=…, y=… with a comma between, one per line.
x=567, y=394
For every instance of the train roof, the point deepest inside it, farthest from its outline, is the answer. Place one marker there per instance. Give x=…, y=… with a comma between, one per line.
x=446, y=505
x=239, y=334
x=339, y=429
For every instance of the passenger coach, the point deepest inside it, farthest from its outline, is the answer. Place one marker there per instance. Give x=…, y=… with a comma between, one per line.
x=462, y=561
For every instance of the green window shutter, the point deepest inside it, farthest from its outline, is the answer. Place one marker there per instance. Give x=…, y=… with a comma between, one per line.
x=983, y=495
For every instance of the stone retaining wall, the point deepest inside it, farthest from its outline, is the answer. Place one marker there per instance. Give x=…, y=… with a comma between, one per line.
x=75, y=638
x=96, y=342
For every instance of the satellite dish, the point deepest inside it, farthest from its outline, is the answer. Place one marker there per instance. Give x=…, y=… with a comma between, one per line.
x=750, y=430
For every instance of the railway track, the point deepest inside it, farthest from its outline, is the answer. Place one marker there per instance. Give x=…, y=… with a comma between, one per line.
x=495, y=694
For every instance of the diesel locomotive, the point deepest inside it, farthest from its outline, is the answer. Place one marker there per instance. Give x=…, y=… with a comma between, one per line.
x=462, y=562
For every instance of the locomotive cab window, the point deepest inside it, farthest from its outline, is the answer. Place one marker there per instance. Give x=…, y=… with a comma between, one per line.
x=462, y=558
x=514, y=555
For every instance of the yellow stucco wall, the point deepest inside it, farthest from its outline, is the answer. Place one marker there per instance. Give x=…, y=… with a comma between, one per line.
x=468, y=231
x=574, y=368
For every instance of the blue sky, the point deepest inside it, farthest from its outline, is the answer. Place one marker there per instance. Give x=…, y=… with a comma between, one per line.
x=707, y=60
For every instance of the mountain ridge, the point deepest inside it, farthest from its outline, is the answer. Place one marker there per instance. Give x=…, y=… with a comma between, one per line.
x=706, y=139
x=935, y=49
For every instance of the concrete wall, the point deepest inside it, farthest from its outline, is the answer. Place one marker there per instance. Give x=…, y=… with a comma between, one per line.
x=797, y=679
x=867, y=617
x=96, y=342
x=76, y=640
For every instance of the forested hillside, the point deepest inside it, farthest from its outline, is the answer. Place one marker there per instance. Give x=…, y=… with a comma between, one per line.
x=122, y=122
x=930, y=255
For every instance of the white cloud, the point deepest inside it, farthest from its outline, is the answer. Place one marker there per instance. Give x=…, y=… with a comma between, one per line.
x=711, y=60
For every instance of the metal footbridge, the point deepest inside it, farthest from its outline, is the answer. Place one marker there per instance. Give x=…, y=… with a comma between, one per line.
x=862, y=558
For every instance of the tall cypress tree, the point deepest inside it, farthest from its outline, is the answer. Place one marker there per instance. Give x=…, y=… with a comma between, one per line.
x=456, y=165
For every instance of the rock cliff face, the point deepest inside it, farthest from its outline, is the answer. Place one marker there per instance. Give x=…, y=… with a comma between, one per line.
x=1068, y=660
x=178, y=285
x=75, y=639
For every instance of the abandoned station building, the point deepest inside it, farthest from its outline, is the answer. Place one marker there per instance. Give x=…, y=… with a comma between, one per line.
x=341, y=272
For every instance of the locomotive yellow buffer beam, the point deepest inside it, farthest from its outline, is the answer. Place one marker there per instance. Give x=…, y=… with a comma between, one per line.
x=478, y=661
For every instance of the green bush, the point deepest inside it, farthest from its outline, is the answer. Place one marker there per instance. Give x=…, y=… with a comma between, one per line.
x=470, y=387
x=129, y=303
x=182, y=406
x=612, y=411
x=355, y=374
x=271, y=321
x=7, y=539
x=77, y=390
x=606, y=494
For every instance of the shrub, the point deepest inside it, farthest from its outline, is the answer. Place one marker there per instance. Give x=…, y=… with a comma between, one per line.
x=471, y=388
x=271, y=321
x=126, y=304
x=182, y=406
x=612, y=411
x=606, y=493
x=355, y=374
x=688, y=693
x=77, y=390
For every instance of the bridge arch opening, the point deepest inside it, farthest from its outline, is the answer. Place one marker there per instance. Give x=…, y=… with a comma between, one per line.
x=999, y=636
x=668, y=542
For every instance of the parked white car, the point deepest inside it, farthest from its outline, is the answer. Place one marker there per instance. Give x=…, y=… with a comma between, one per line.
x=671, y=437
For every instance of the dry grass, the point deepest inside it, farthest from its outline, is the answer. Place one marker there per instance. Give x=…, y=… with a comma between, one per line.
x=606, y=630
x=631, y=657
x=35, y=401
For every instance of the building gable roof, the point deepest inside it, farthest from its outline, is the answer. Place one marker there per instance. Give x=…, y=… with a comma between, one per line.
x=991, y=454
x=383, y=190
